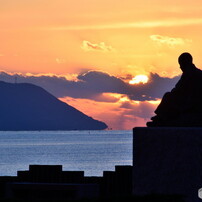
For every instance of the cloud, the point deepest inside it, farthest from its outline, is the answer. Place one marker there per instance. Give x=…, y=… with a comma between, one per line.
x=97, y=85
x=108, y=112
x=119, y=115
x=131, y=25
x=88, y=46
x=169, y=41
x=103, y=96
x=60, y=60
x=142, y=109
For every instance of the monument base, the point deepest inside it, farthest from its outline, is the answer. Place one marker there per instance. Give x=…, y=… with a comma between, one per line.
x=167, y=161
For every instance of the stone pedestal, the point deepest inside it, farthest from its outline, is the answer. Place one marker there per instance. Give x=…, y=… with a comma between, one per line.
x=167, y=161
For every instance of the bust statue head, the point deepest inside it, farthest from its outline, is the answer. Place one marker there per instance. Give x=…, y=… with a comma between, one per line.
x=185, y=61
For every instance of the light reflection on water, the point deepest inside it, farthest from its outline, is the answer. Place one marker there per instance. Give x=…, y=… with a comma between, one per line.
x=90, y=151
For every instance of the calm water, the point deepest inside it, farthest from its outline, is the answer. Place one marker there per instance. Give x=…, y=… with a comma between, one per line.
x=90, y=151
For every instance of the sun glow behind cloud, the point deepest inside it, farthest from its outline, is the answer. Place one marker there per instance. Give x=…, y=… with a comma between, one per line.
x=139, y=79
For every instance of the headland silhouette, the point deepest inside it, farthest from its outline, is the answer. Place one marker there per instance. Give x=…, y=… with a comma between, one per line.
x=28, y=107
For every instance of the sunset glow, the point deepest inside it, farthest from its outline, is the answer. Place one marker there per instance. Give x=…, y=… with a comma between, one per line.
x=58, y=42
x=139, y=79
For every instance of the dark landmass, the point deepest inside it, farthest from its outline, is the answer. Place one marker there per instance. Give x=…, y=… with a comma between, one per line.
x=29, y=107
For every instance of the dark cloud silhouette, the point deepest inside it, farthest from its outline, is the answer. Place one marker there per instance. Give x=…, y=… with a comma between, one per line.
x=93, y=84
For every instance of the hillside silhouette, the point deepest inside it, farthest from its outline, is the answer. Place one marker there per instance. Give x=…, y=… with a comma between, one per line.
x=26, y=106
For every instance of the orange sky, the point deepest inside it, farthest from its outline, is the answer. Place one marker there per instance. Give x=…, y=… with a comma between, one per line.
x=67, y=37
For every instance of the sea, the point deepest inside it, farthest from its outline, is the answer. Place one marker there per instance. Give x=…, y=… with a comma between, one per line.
x=90, y=151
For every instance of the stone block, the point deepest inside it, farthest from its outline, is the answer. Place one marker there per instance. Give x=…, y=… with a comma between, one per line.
x=167, y=160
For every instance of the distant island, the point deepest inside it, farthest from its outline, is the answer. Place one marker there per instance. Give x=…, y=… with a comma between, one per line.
x=26, y=106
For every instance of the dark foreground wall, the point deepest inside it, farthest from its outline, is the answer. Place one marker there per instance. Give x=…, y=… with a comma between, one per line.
x=167, y=161
x=51, y=182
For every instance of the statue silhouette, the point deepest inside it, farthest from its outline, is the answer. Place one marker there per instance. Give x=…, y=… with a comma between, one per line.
x=183, y=105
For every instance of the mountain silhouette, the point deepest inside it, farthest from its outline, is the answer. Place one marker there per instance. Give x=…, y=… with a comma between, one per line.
x=26, y=106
